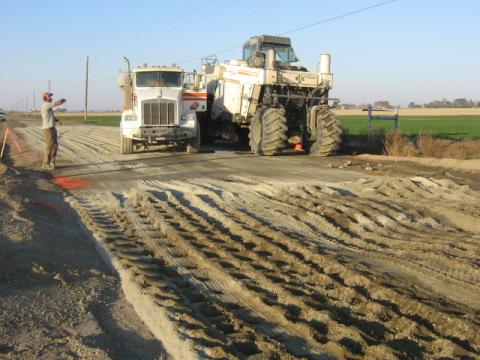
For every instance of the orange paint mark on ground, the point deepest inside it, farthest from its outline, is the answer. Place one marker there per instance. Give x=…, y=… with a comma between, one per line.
x=73, y=182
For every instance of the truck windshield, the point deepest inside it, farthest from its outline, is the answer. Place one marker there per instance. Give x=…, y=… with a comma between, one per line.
x=159, y=79
x=285, y=53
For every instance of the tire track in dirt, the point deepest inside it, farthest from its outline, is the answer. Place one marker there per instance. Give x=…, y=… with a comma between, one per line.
x=224, y=323
x=458, y=263
x=259, y=277
x=361, y=239
x=369, y=229
x=243, y=269
x=227, y=219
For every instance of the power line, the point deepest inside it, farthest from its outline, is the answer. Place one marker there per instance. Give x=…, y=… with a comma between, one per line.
x=337, y=17
x=172, y=21
x=333, y=18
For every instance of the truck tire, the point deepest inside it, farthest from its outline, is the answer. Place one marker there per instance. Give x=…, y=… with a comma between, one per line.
x=268, y=131
x=193, y=145
x=328, y=134
x=126, y=145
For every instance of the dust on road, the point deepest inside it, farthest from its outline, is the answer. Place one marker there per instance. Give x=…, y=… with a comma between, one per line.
x=280, y=257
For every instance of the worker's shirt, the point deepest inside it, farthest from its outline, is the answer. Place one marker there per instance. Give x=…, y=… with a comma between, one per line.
x=48, y=119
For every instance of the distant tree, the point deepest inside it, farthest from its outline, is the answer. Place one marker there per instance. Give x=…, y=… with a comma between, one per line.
x=383, y=104
x=429, y=105
x=444, y=103
x=412, y=105
x=461, y=103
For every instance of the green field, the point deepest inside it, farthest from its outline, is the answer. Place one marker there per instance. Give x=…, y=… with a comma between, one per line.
x=104, y=120
x=452, y=127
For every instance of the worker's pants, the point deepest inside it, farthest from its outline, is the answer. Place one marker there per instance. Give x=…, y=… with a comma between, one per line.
x=52, y=146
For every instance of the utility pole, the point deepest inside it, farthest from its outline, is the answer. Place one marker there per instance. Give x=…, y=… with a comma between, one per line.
x=86, y=91
x=21, y=105
x=34, y=105
x=49, y=87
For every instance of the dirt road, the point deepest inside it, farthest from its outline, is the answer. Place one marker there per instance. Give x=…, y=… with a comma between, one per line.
x=227, y=255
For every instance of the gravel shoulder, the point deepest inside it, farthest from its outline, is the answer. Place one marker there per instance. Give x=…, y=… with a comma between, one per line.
x=469, y=165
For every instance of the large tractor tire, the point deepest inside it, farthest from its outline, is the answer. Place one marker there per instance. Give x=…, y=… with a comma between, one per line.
x=327, y=134
x=193, y=145
x=268, y=131
x=126, y=145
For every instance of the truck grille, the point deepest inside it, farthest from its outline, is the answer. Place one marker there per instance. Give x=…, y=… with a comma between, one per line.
x=159, y=113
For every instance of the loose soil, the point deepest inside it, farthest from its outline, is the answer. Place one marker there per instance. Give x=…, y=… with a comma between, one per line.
x=237, y=256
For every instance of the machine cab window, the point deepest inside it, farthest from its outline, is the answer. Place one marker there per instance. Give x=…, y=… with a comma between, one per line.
x=249, y=50
x=284, y=54
x=282, y=46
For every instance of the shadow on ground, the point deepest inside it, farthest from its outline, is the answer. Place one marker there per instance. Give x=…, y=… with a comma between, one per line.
x=58, y=297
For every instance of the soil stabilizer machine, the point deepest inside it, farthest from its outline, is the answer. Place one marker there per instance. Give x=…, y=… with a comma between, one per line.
x=160, y=107
x=279, y=105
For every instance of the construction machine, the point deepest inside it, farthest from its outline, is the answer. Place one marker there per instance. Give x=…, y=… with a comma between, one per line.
x=160, y=107
x=272, y=101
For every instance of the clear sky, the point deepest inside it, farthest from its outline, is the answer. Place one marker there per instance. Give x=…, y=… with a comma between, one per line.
x=408, y=50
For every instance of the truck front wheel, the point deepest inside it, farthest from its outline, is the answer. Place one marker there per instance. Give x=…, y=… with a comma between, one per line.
x=126, y=145
x=268, y=131
x=193, y=145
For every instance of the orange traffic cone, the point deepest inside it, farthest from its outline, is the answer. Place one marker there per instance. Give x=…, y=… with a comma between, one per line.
x=299, y=146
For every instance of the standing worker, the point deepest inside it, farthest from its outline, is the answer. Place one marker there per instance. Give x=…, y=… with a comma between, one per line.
x=49, y=131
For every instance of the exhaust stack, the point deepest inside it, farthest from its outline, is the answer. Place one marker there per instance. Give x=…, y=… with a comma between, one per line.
x=128, y=89
x=324, y=64
x=270, y=59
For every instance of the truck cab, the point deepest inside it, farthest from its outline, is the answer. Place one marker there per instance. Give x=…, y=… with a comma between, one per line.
x=161, y=105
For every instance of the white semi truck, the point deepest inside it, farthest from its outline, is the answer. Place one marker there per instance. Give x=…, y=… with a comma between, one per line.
x=160, y=107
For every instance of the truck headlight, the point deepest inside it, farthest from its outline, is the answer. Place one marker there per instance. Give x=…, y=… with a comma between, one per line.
x=130, y=118
x=188, y=117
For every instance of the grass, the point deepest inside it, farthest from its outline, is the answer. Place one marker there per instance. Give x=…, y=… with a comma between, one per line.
x=455, y=137
x=448, y=127
x=104, y=120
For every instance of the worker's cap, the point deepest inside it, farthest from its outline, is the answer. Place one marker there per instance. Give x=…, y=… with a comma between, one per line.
x=47, y=94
